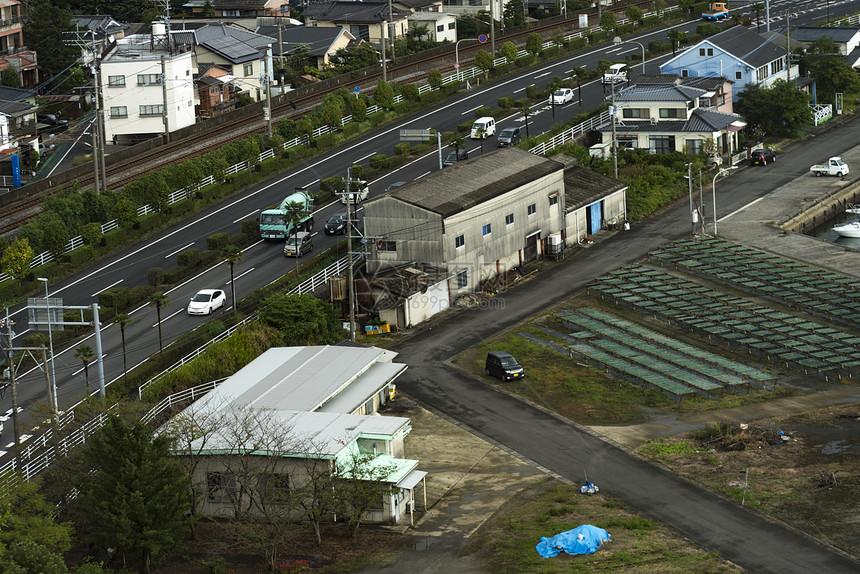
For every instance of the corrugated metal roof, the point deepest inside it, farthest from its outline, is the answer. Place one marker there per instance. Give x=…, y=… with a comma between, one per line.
x=583, y=187
x=359, y=392
x=474, y=181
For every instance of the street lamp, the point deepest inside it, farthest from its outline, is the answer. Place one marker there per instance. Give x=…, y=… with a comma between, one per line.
x=714, y=192
x=51, y=346
x=457, y=54
x=618, y=41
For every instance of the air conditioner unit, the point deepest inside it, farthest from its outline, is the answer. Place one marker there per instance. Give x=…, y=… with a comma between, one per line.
x=653, y=121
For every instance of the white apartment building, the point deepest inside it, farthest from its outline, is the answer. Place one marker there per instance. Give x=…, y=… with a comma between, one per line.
x=134, y=75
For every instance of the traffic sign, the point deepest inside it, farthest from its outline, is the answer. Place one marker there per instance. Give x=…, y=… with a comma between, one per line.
x=456, y=65
x=482, y=38
x=414, y=135
x=356, y=89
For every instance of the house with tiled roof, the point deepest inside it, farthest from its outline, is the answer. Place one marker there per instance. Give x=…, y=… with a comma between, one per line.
x=239, y=51
x=237, y=8
x=718, y=88
x=845, y=38
x=322, y=42
x=364, y=20
x=665, y=118
x=738, y=54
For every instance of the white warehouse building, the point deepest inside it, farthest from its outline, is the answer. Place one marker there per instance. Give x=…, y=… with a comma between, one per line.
x=134, y=97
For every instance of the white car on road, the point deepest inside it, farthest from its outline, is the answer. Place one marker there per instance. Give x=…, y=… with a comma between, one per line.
x=206, y=301
x=561, y=96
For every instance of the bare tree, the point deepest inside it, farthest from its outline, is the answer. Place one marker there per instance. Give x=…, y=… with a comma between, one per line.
x=360, y=487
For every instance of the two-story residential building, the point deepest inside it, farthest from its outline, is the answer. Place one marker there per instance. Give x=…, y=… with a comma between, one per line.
x=845, y=38
x=11, y=27
x=720, y=87
x=294, y=413
x=670, y=117
x=321, y=42
x=364, y=20
x=145, y=79
x=476, y=219
x=441, y=27
x=738, y=54
x=243, y=53
x=237, y=8
x=215, y=91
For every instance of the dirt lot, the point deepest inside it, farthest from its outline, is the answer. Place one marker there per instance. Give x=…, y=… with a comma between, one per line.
x=807, y=477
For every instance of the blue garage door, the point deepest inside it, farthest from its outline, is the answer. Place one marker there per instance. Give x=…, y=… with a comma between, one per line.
x=596, y=223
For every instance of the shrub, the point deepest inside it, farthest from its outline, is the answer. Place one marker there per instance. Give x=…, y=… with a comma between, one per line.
x=236, y=239
x=465, y=127
x=531, y=92
x=114, y=298
x=155, y=276
x=357, y=171
x=207, y=257
x=174, y=275
x=506, y=103
x=188, y=257
x=410, y=93
x=140, y=293
x=216, y=241
x=81, y=255
x=91, y=233
x=483, y=111
x=379, y=161
x=402, y=149
x=403, y=108
x=376, y=119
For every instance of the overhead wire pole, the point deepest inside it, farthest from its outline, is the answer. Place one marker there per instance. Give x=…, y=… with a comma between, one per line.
x=393, y=28
x=267, y=111
x=8, y=323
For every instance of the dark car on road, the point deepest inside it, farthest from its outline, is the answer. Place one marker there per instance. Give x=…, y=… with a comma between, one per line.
x=336, y=224
x=503, y=365
x=509, y=137
x=52, y=120
x=395, y=185
x=762, y=157
x=455, y=156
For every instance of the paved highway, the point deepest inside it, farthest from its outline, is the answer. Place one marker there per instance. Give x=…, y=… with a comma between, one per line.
x=262, y=262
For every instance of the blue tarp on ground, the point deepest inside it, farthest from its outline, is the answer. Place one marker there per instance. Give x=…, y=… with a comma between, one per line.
x=583, y=539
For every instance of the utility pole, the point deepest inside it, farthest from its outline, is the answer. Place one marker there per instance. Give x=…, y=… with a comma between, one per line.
x=100, y=122
x=267, y=111
x=690, y=188
x=164, y=104
x=17, y=432
x=788, y=46
x=493, y=28
x=350, y=276
x=614, y=150
x=393, y=27
x=95, y=135
x=382, y=40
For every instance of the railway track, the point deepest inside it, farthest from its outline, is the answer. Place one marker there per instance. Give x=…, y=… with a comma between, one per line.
x=416, y=69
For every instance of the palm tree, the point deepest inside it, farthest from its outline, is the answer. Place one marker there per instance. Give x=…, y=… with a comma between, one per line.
x=231, y=255
x=482, y=133
x=526, y=111
x=758, y=10
x=579, y=73
x=85, y=354
x=122, y=320
x=294, y=212
x=159, y=300
x=675, y=37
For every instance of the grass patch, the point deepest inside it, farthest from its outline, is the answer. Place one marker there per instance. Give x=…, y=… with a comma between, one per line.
x=506, y=543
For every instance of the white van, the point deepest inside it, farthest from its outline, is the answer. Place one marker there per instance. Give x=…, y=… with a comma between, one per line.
x=483, y=128
x=298, y=244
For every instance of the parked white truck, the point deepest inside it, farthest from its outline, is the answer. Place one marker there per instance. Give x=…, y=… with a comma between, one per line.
x=834, y=166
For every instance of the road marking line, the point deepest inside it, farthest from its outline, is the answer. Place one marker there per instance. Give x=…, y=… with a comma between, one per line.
x=242, y=275
x=472, y=110
x=105, y=289
x=542, y=75
x=422, y=175
x=244, y=217
x=180, y=249
x=170, y=317
x=307, y=185
x=365, y=157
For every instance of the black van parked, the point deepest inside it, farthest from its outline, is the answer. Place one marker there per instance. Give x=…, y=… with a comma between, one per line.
x=504, y=366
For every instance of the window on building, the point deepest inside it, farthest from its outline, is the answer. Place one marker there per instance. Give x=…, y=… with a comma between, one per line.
x=116, y=81
x=452, y=25
x=387, y=245
x=149, y=79
x=739, y=75
x=710, y=52
x=553, y=199
x=694, y=146
x=671, y=113
x=685, y=73
x=532, y=209
x=662, y=144
x=361, y=32
x=118, y=112
x=509, y=219
x=721, y=100
x=149, y=111
x=488, y=229
x=275, y=487
x=776, y=66
x=248, y=70
x=628, y=142
x=704, y=102
x=219, y=486
x=459, y=241
x=635, y=113
x=761, y=74
x=440, y=28
x=701, y=52
x=230, y=13
x=215, y=90
x=462, y=279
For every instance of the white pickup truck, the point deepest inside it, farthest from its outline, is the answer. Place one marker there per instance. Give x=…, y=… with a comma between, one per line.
x=834, y=166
